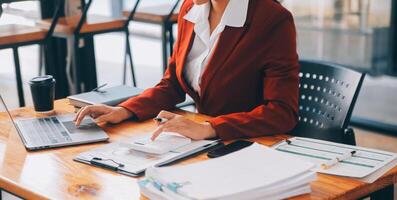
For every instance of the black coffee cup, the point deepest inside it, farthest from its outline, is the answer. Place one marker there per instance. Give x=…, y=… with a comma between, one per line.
x=43, y=92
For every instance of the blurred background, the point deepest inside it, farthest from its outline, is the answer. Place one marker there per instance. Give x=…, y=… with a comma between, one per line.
x=355, y=33
x=360, y=34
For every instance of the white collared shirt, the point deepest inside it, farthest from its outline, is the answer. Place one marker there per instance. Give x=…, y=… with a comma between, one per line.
x=204, y=43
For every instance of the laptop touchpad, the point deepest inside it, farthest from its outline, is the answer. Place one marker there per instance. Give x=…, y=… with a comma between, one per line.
x=85, y=124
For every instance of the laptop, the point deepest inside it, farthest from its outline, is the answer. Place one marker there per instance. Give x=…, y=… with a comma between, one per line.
x=55, y=131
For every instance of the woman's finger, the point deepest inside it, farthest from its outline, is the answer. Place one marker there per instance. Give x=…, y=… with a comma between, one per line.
x=85, y=111
x=80, y=111
x=166, y=115
x=77, y=114
x=156, y=132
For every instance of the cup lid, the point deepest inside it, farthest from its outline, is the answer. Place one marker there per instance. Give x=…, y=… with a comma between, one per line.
x=42, y=79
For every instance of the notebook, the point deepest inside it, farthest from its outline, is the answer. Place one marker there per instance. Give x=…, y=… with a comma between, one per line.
x=110, y=96
x=120, y=157
x=255, y=172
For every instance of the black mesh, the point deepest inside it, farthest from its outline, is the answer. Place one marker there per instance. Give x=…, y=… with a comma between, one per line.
x=328, y=93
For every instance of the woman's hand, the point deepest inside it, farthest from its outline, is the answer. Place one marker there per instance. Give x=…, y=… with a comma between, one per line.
x=182, y=125
x=103, y=114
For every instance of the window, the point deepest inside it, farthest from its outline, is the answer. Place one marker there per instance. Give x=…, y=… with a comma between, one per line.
x=355, y=33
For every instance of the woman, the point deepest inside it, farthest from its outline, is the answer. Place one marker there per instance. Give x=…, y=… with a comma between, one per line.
x=237, y=59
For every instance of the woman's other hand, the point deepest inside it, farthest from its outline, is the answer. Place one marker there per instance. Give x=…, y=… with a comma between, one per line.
x=103, y=114
x=184, y=126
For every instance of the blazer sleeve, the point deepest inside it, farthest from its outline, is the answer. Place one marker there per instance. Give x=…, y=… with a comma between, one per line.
x=279, y=111
x=164, y=96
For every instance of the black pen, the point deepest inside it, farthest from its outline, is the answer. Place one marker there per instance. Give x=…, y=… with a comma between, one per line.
x=160, y=120
x=97, y=162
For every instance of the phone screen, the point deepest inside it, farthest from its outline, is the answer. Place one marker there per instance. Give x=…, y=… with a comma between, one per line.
x=232, y=147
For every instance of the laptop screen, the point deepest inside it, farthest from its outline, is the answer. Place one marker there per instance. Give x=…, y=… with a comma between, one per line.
x=6, y=122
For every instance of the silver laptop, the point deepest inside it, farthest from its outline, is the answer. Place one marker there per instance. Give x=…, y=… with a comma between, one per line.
x=55, y=131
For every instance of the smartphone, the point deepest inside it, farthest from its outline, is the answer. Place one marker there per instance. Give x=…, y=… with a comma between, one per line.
x=230, y=148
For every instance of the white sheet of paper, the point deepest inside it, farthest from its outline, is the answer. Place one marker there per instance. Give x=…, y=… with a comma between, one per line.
x=364, y=163
x=165, y=142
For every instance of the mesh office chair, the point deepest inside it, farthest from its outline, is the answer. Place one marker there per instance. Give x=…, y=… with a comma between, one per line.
x=328, y=93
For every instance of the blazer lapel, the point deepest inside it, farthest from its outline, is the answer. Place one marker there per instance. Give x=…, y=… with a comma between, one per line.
x=227, y=42
x=185, y=46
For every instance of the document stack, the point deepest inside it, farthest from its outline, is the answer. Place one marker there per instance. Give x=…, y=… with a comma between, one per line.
x=255, y=172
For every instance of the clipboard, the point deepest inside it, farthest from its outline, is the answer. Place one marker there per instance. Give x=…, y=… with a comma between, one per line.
x=118, y=157
x=365, y=164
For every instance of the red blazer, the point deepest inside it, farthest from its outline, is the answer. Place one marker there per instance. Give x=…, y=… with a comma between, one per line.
x=250, y=85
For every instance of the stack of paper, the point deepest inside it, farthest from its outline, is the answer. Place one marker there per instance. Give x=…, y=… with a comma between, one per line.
x=255, y=172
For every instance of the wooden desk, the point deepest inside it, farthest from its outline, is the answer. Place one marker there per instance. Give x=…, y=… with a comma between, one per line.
x=94, y=23
x=15, y=33
x=52, y=174
x=154, y=14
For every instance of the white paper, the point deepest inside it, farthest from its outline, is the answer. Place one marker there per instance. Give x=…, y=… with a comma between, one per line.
x=252, y=168
x=165, y=142
x=362, y=164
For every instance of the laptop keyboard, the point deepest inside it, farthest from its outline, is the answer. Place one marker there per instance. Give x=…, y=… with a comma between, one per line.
x=44, y=131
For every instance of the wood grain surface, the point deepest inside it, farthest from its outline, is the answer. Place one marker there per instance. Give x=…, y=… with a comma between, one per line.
x=52, y=174
x=94, y=23
x=153, y=14
x=15, y=33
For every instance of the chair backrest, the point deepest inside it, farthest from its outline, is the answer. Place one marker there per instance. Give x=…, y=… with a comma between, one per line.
x=328, y=93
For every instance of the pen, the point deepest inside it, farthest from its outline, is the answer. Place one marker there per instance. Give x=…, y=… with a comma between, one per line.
x=160, y=119
x=99, y=87
x=97, y=162
x=337, y=160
